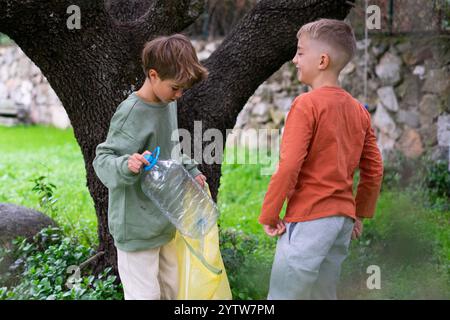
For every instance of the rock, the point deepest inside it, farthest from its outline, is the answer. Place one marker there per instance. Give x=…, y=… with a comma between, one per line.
x=388, y=98
x=260, y=109
x=385, y=143
x=418, y=56
x=437, y=81
x=3, y=91
x=361, y=44
x=388, y=70
x=203, y=55
x=438, y=153
x=198, y=45
x=410, y=118
x=59, y=117
x=410, y=144
x=4, y=73
x=383, y=121
x=277, y=116
x=18, y=221
x=348, y=69
x=264, y=92
x=443, y=130
x=378, y=50
x=428, y=133
x=274, y=87
x=409, y=92
x=242, y=118
x=257, y=120
x=429, y=109
x=283, y=103
x=419, y=71
x=404, y=46
x=212, y=46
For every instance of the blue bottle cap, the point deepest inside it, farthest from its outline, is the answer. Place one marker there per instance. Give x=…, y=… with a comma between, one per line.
x=152, y=158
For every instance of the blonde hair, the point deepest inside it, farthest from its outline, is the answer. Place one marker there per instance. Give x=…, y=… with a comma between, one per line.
x=173, y=57
x=336, y=33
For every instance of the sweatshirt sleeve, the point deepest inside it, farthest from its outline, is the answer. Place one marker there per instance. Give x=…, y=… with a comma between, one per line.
x=294, y=149
x=371, y=176
x=111, y=160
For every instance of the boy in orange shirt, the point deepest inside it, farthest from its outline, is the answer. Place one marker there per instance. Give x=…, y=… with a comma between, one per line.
x=327, y=135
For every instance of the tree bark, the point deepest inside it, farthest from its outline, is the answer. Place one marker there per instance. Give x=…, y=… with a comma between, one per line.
x=93, y=69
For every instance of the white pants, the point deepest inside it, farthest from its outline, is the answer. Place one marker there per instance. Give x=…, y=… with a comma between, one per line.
x=149, y=274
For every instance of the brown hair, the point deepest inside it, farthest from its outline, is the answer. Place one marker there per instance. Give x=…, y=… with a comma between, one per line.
x=336, y=33
x=173, y=57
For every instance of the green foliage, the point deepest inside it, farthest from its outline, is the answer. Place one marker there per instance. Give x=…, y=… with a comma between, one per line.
x=42, y=271
x=247, y=263
x=437, y=181
x=241, y=193
x=5, y=40
x=45, y=191
x=431, y=177
x=401, y=172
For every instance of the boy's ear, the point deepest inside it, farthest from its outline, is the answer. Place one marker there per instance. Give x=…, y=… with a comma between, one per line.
x=152, y=74
x=324, y=61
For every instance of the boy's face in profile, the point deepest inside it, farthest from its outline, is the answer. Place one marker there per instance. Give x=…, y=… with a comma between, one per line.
x=306, y=60
x=165, y=91
x=309, y=59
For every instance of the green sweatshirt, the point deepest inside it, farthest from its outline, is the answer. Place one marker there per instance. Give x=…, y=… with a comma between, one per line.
x=134, y=221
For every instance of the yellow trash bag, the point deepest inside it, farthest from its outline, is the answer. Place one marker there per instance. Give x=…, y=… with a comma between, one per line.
x=202, y=275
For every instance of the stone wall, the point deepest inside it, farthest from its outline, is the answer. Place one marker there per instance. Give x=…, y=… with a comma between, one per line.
x=22, y=86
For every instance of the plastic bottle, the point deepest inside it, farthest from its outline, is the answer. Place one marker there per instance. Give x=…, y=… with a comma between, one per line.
x=182, y=200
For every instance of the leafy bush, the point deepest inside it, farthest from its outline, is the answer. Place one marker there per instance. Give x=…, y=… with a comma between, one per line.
x=401, y=172
x=431, y=177
x=437, y=182
x=42, y=270
x=45, y=190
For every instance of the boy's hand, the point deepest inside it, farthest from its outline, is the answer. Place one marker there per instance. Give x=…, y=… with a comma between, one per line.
x=136, y=161
x=357, y=229
x=200, y=180
x=275, y=231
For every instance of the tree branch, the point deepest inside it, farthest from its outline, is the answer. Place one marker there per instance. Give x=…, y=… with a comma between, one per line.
x=33, y=17
x=155, y=17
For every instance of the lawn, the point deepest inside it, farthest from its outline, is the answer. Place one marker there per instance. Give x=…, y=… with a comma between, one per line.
x=26, y=153
x=407, y=240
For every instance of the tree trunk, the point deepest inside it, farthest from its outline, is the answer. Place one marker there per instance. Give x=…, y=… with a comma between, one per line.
x=94, y=68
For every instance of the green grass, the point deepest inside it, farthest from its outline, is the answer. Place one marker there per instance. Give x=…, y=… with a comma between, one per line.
x=241, y=193
x=410, y=243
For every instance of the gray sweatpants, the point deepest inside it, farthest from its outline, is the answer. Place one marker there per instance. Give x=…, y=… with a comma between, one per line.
x=308, y=259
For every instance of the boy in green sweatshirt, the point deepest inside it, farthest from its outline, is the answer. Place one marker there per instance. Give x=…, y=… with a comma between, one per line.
x=147, y=260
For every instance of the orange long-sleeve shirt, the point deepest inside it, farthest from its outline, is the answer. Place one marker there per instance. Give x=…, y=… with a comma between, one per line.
x=327, y=135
